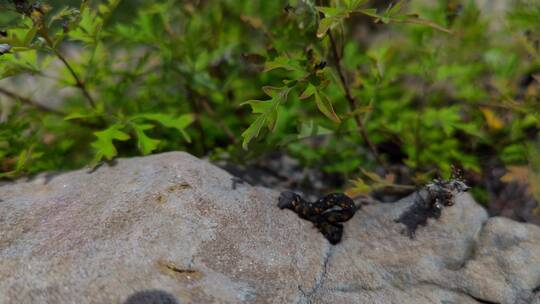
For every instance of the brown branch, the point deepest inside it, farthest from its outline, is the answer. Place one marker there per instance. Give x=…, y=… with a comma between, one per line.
x=78, y=82
x=353, y=103
x=40, y=107
x=31, y=102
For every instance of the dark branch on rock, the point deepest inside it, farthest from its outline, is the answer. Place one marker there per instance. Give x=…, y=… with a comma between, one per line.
x=430, y=201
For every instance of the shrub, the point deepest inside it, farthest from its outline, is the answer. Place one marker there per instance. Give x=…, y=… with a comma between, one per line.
x=428, y=89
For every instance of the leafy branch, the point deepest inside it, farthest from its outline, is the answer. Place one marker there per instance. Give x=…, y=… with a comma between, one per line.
x=353, y=102
x=31, y=102
x=38, y=17
x=336, y=15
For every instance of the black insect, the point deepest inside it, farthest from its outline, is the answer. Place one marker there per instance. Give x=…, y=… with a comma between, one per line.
x=430, y=202
x=288, y=8
x=3, y=33
x=321, y=65
x=327, y=214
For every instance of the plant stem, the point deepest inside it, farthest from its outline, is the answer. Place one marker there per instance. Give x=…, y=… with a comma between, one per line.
x=78, y=82
x=31, y=102
x=39, y=106
x=353, y=102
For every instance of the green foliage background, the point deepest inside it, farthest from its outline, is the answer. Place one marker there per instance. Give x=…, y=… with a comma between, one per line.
x=435, y=82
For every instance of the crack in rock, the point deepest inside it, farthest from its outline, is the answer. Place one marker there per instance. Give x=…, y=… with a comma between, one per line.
x=459, y=291
x=479, y=300
x=306, y=296
x=472, y=249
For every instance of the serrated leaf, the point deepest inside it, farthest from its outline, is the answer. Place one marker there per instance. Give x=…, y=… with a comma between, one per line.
x=329, y=23
x=146, y=144
x=253, y=130
x=259, y=106
x=308, y=92
x=332, y=17
x=104, y=144
x=268, y=114
x=282, y=62
x=325, y=25
x=325, y=106
x=180, y=123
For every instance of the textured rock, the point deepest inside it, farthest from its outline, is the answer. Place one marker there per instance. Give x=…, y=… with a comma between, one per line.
x=169, y=228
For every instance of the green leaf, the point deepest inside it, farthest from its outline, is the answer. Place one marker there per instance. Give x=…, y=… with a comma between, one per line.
x=395, y=9
x=329, y=11
x=311, y=129
x=268, y=113
x=23, y=159
x=104, y=144
x=77, y=115
x=332, y=17
x=325, y=106
x=88, y=27
x=282, y=62
x=372, y=12
x=29, y=36
x=180, y=123
x=146, y=144
x=309, y=91
x=259, y=106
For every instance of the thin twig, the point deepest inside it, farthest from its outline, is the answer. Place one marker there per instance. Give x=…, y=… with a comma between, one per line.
x=353, y=103
x=78, y=82
x=30, y=102
x=40, y=107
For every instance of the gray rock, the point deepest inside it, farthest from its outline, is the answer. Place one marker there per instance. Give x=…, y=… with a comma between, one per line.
x=169, y=228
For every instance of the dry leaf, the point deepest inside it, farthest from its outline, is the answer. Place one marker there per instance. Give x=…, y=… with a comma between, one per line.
x=516, y=173
x=492, y=120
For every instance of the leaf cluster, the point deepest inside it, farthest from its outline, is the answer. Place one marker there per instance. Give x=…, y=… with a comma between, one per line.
x=428, y=86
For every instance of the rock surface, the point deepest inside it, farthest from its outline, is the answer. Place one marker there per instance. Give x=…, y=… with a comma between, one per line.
x=170, y=228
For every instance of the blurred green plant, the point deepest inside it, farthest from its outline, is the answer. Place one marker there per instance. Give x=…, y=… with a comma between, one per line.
x=428, y=89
